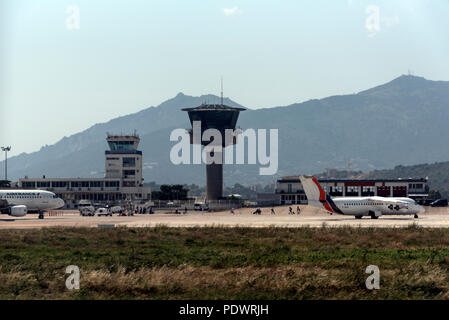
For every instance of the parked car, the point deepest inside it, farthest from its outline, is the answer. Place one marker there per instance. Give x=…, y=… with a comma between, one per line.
x=103, y=212
x=115, y=209
x=439, y=203
x=427, y=202
x=200, y=206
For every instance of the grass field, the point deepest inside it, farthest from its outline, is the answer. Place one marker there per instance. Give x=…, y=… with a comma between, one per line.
x=225, y=263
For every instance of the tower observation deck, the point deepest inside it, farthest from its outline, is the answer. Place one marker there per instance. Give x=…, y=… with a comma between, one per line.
x=219, y=117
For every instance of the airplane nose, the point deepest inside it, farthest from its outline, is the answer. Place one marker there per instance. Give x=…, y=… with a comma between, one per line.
x=61, y=202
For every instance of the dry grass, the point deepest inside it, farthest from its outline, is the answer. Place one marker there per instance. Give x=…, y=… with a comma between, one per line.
x=225, y=263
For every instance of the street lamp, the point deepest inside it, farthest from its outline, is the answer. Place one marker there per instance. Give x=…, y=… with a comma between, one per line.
x=6, y=149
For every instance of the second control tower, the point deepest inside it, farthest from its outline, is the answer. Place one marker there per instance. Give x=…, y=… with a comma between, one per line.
x=219, y=117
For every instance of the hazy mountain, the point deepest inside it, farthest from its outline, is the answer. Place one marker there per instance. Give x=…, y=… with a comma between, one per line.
x=401, y=122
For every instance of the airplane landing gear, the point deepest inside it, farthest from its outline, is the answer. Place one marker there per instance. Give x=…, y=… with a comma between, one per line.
x=416, y=216
x=358, y=217
x=41, y=214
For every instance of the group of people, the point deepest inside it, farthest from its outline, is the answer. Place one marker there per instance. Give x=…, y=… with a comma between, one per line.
x=142, y=210
x=184, y=211
x=290, y=210
x=259, y=211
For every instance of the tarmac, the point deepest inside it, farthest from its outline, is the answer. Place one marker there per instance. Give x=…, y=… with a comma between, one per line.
x=309, y=217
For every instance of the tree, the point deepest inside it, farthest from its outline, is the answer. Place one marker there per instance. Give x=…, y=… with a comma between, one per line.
x=434, y=194
x=5, y=184
x=170, y=192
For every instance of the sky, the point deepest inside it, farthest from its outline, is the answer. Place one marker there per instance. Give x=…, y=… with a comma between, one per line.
x=66, y=65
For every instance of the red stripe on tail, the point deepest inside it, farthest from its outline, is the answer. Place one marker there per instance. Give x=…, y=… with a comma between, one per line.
x=328, y=207
x=322, y=193
x=323, y=196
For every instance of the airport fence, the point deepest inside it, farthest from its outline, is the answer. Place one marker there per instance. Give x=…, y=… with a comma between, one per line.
x=55, y=213
x=190, y=204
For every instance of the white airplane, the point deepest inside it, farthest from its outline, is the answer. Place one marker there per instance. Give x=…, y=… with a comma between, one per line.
x=358, y=206
x=17, y=203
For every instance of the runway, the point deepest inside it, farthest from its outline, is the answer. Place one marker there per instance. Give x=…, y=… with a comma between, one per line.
x=309, y=217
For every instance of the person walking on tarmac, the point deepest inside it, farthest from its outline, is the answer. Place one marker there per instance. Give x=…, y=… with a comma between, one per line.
x=298, y=210
x=290, y=210
x=272, y=211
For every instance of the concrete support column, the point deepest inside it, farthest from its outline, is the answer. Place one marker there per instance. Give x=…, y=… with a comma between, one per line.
x=214, y=178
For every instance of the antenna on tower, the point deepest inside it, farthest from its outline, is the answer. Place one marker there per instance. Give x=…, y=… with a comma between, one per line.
x=221, y=90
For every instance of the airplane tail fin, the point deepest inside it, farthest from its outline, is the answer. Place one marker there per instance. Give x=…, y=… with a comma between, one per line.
x=316, y=196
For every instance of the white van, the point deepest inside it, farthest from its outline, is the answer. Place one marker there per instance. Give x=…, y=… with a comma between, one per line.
x=86, y=208
x=103, y=212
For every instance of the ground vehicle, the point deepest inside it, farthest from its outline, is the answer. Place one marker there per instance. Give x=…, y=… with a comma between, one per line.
x=427, y=202
x=199, y=206
x=86, y=208
x=103, y=212
x=439, y=203
x=115, y=209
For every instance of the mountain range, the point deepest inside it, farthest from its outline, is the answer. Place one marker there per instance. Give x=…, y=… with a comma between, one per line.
x=402, y=122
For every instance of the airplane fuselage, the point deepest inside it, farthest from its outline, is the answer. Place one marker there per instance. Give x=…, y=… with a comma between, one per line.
x=33, y=199
x=380, y=205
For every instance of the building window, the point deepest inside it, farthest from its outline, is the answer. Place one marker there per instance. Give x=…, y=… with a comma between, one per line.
x=399, y=191
x=336, y=191
x=383, y=191
x=42, y=184
x=129, y=162
x=367, y=191
x=112, y=184
x=352, y=191
x=129, y=172
x=59, y=184
x=129, y=184
x=29, y=184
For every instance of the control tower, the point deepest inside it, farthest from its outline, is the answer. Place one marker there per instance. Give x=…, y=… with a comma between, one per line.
x=219, y=117
x=123, y=160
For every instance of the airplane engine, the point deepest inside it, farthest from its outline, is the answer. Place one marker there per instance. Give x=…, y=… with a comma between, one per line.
x=18, y=211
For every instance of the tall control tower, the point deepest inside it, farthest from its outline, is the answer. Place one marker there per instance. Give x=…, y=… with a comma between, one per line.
x=123, y=160
x=219, y=117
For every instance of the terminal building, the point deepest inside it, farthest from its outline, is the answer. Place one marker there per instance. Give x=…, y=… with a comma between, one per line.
x=290, y=190
x=123, y=179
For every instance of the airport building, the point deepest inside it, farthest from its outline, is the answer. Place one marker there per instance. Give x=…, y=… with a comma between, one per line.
x=123, y=179
x=291, y=192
